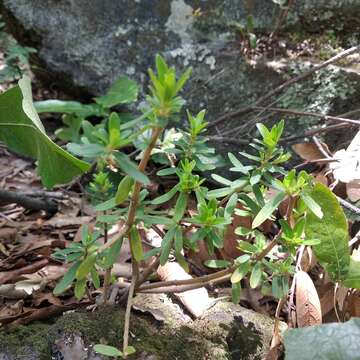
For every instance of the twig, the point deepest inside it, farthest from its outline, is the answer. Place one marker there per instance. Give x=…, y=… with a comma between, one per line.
x=310, y=114
x=28, y=202
x=129, y=223
x=283, y=86
x=355, y=239
x=348, y=206
x=321, y=147
x=276, y=334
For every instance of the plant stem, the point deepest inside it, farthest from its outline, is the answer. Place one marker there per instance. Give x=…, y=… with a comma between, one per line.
x=129, y=223
x=107, y=277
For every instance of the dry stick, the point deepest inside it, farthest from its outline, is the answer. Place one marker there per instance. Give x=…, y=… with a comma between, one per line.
x=129, y=223
x=107, y=276
x=355, y=239
x=28, y=202
x=283, y=86
x=310, y=114
x=316, y=131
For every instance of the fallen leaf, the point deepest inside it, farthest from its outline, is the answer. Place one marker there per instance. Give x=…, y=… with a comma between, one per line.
x=353, y=190
x=308, y=151
x=308, y=308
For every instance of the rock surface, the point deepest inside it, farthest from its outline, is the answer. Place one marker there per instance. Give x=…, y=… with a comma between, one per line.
x=94, y=42
x=225, y=332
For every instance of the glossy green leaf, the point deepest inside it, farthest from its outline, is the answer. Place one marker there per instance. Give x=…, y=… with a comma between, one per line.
x=131, y=168
x=255, y=277
x=217, y=264
x=95, y=277
x=166, y=197
x=80, y=288
x=352, y=279
x=230, y=206
x=122, y=91
x=336, y=341
x=235, y=292
x=240, y=272
x=106, y=205
x=86, y=266
x=180, y=206
x=166, y=245
x=247, y=247
x=280, y=286
x=123, y=189
x=112, y=254
x=107, y=350
x=67, y=279
x=136, y=244
x=268, y=209
x=312, y=205
x=22, y=131
x=332, y=230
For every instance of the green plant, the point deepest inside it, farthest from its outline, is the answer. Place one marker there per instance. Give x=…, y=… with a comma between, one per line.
x=16, y=56
x=262, y=188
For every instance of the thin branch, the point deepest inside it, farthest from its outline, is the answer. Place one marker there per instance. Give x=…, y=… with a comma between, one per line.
x=28, y=202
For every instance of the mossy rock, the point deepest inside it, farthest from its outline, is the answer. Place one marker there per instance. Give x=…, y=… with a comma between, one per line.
x=225, y=332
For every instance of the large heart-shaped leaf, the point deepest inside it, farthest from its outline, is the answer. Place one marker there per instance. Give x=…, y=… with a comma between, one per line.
x=332, y=230
x=330, y=341
x=22, y=131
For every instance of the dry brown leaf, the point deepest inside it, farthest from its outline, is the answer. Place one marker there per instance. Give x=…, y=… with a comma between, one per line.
x=353, y=190
x=308, y=308
x=308, y=151
x=326, y=293
x=196, y=301
x=308, y=260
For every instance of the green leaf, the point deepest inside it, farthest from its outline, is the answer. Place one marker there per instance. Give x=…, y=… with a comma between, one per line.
x=166, y=245
x=235, y=292
x=332, y=230
x=86, y=266
x=130, y=168
x=280, y=286
x=122, y=91
x=80, y=287
x=166, y=197
x=107, y=350
x=123, y=189
x=312, y=205
x=136, y=244
x=95, y=277
x=268, y=209
x=112, y=253
x=180, y=207
x=130, y=350
x=67, y=279
x=337, y=341
x=240, y=272
x=22, y=131
x=106, y=205
x=352, y=279
x=255, y=276
x=247, y=247
x=230, y=206
x=178, y=240
x=217, y=264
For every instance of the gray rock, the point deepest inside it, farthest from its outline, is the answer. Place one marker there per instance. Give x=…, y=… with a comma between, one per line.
x=225, y=331
x=94, y=42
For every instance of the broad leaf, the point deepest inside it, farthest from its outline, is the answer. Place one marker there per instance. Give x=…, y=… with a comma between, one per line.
x=23, y=132
x=332, y=230
x=123, y=189
x=122, y=91
x=329, y=341
x=235, y=292
x=217, y=264
x=352, y=279
x=136, y=244
x=86, y=266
